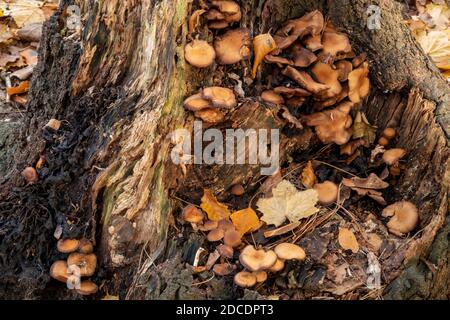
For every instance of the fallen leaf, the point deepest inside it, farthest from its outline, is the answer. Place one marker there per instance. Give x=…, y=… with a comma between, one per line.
x=23, y=11
x=110, y=297
x=347, y=240
x=269, y=183
x=362, y=129
x=436, y=44
x=216, y=211
x=31, y=32
x=245, y=220
x=371, y=182
x=30, y=56
x=309, y=178
x=7, y=58
x=21, y=88
x=263, y=44
x=288, y=202
x=286, y=114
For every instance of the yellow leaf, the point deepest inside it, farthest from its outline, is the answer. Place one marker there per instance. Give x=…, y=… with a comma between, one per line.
x=109, y=297
x=288, y=202
x=362, y=129
x=216, y=211
x=263, y=44
x=347, y=240
x=308, y=177
x=245, y=220
x=437, y=45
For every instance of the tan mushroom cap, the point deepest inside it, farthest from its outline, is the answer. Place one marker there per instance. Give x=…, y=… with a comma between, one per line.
x=358, y=60
x=278, y=266
x=261, y=276
x=343, y=68
x=232, y=238
x=334, y=43
x=30, y=174
x=392, y=156
x=389, y=133
x=209, y=225
x=302, y=57
x=199, y=53
x=218, y=24
x=304, y=80
x=68, y=245
x=225, y=251
x=87, y=288
x=328, y=192
x=214, y=14
x=277, y=59
x=196, y=103
x=257, y=260
x=59, y=271
x=326, y=75
x=192, y=214
x=210, y=115
x=223, y=269
x=295, y=102
x=225, y=225
x=233, y=46
x=237, y=190
x=383, y=141
x=220, y=97
x=289, y=251
x=359, y=83
x=86, y=262
x=309, y=24
x=404, y=217
x=226, y=6
x=271, y=96
x=313, y=42
x=350, y=147
x=215, y=235
x=245, y=279
x=85, y=246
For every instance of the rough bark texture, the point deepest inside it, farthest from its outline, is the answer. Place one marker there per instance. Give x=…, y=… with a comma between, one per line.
x=108, y=176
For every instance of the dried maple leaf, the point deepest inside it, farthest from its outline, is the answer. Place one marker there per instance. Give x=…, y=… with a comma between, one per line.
x=309, y=178
x=287, y=202
x=245, y=220
x=362, y=129
x=216, y=211
x=347, y=240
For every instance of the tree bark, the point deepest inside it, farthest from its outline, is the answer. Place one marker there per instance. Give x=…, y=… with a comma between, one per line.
x=119, y=89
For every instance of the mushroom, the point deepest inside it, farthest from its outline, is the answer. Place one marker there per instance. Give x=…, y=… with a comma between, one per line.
x=225, y=225
x=53, y=124
x=30, y=174
x=271, y=96
x=214, y=14
x=210, y=115
x=257, y=260
x=358, y=83
x=310, y=24
x=218, y=24
x=356, y=62
x=68, y=245
x=326, y=75
x=223, y=269
x=404, y=217
x=383, y=141
x=389, y=133
x=59, y=271
x=392, y=156
x=199, y=53
x=304, y=80
x=220, y=97
x=289, y=251
x=196, y=103
x=292, y=92
x=226, y=6
x=245, y=279
x=233, y=46
x=85, y=246
x=86, y=262
x=232, y=238
x=277, y=59
x=328, y=192
x=215, y=235
x=301, y=57
x=87, y=287
x=333, y=125
x=295, y=102
x=313, y=43
x=283, y=41
x=192, y=214
x=334, y=43
x=238, y=190
x=343, y=68
x=261, y=276
x=350, y=147
x=278, y=266
x=225, y=251
x=209, y=225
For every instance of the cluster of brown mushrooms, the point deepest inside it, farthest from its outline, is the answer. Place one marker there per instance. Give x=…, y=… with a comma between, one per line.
x=81, y=258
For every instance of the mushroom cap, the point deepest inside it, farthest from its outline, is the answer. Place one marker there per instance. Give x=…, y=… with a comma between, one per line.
x=214, y=14
x=85, y=246
x=192, y=214
x=292, y=92
x=359, y=83
x=278, y=266
x=59, y=271
x=350, y=147
x=313, y=42
x=271, y=96
x=210, y=115
x=383, y=141
x=225, y=251
x=277, y=59
x=289, y=251
x=199, y=53
x=356, y=62
x=404, y=217
x=257, y=260
x=245, y=279
x=334, y=43
x=209, y=225
x=237, y=190
x=389, y=133
x=328, y=192
x=87, y=287
x=304, y=80
x=261, y=276
x=295, y=102
x=302, y=57
x=86, y=262
x=233, y=46
x=225, y=225
x=196, y=103
x=30, y=174
x=215, y=235
x=68, y=245
x=309, y=24
x=218, y=24
x=220, y=97
x=226, y=6
x=343, y=68
x=223, y=269
x=232, y=238
x=328, y=76
x=392, y=156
